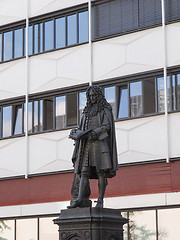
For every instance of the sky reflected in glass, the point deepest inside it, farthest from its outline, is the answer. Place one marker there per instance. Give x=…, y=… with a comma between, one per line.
x=7, y=121
x=18, y=43
x=48, y=35
x=83, y=27
x=7, y=46
x=72, y=29
x=60, y=32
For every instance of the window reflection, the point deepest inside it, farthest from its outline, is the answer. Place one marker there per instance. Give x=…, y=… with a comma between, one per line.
x=36, y=38
x=82, y=103
x=18, y=43
x=160, y=94
x=72, y=29
x=142, y=225
x=60, y=112
x=47, y=229
x=7, y=230
x=7, y=121
x=83, y=27
x=109, y=94
x=136, y=99
x=60, y=32
x=7, y=46
x=168, y=224
x=173, y=93
x=30, y=40
x=17, y=120
x=41, y=37
x=48, y=35
x=26, y=229
x=123, y=110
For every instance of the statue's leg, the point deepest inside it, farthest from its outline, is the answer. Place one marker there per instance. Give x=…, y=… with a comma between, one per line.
x=83, y=186
x=102, y=183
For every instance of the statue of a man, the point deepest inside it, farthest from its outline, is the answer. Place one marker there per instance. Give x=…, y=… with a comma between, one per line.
x=95, y=153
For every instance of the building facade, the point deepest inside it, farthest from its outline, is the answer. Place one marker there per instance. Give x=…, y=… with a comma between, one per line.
x=50, y=52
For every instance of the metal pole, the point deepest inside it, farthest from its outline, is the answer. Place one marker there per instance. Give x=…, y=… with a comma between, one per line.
x=90, y=44
x=27, y=91
x=165, y=82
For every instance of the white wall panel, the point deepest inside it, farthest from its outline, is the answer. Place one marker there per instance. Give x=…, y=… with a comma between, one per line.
x=12, y=11
x=174, y=134
x=12, y=79
x=43, y=6
x=59, y=69
x=50, y=152
x=141, y=139
x=13, y=157
x=172, y=43
x=128, y=54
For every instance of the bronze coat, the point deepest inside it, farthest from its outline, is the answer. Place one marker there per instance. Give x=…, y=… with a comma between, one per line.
x=103, y=150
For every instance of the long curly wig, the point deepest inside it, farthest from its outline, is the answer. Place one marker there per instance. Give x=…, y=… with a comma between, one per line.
x=101, y=101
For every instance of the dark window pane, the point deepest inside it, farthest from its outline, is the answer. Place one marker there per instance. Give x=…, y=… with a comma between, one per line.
x=172, y=9
x=174, y=107
x=110, y=96
x=136, y=99
x=178, y=91
x=47, y=114
x=83, y=27
x=36, y=116
x=7, y=46
x=18, y=43
x=36, y=38
x=0, y=47
x=123, y=110
x=40, y=115
x=60, y=32
x=72, y=29
x=48, y=35
x=160, y=94
x=149, y=12
x=17, y=120
x=60, y=112
x=41, y=37
x=149, y=96
x=82, y=103
x=71, y=101
x=30, y=40
x=7, y=121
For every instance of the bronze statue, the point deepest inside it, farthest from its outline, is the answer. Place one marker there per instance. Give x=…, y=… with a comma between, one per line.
x=95, y=153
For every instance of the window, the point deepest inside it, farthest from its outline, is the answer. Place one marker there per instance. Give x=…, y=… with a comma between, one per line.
x=48, y=110
x=7, y=230
x=172, y=10
x=60, y=112
x=110, y=96
x=7, y=53
x=17, y=119
x=18, y=43
x=48, y=230
x=26, y=229
x=30, y=40
x=36, y=38
x=72, y=29
x=71, y=101
x=82, y=103
x=136, y=99
x=149, y=96
x=83, y=27
x=0, y=47
x=123, y=102
x=48, y=35
x=160, y=94
x=7, y=121
x=60, y=26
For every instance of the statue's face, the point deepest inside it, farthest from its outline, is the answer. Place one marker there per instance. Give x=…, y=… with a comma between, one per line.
x=93, y=96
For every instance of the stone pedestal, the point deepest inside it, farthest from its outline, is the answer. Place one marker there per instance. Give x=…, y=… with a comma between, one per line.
x=90, y=224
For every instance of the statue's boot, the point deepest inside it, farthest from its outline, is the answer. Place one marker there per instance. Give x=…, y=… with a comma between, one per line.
x=102, y=183
x=82, y=191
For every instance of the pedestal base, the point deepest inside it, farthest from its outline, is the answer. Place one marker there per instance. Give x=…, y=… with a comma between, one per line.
x=90, y=224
